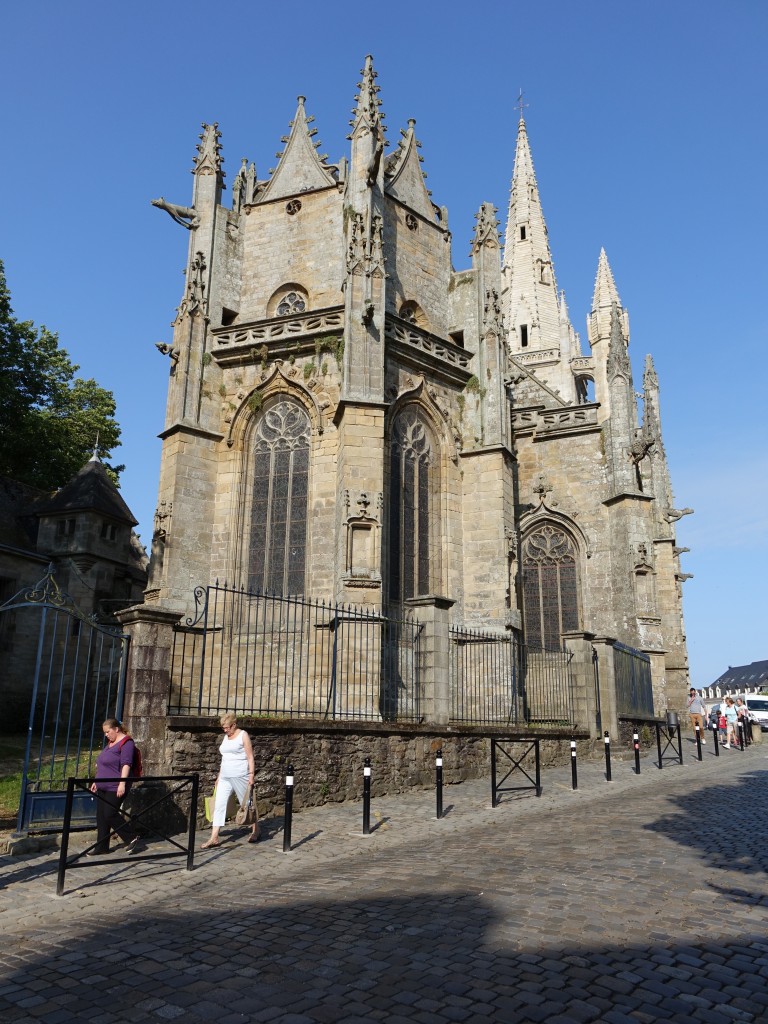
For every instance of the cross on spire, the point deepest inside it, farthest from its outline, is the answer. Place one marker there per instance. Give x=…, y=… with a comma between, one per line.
x=520, y=104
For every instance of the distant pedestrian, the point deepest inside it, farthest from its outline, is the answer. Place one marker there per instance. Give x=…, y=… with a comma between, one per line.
x=743, y=719
x=113, y=767
x=236, y=774
x=722, y=723
x=731, y=721
x=697, y=711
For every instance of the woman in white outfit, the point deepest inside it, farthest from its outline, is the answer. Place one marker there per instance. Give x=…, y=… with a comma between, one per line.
x=236, y=774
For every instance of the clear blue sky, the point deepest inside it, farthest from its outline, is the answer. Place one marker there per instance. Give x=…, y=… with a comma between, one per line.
x=647, y=124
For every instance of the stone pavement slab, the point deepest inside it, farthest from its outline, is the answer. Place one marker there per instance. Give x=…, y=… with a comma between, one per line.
x=644, y=899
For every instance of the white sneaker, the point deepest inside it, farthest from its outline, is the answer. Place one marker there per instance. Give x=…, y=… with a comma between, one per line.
x=727, y=746
x=703, y=740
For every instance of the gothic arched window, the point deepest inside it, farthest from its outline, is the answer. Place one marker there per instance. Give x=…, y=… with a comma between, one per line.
x=278, y=529
x=413, y=508
x=550, y=586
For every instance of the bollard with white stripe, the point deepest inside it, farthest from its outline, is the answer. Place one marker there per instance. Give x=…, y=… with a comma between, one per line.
x=697, y=730
x=636, y=745
x=367, y=797
x=574, y=776
x=607, y=741
x=439, y=783
x=287, y=820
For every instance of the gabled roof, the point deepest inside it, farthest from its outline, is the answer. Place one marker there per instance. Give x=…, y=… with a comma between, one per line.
x=404, y=178
x=300, y=167
x=743, y=677
x=90, y=490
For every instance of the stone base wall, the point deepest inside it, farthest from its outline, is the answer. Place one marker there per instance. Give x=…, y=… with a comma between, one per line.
x=328, y=761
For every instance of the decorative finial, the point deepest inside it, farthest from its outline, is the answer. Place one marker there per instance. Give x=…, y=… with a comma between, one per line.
x=520, y=104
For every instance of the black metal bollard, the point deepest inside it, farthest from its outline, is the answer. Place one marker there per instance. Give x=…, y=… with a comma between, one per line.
x=439, y=783
x=698, y=741
x=574, y=776
x=287, y=821
x=742, y=737
x=607, y=757
x=716, y=738
x=367, y=797
x=636, y=746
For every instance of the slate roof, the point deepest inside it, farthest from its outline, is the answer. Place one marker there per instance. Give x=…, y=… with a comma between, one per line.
x=91, y=489
x=742, y=677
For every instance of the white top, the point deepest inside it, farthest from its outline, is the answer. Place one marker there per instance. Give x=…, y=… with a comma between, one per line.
x=234, y=761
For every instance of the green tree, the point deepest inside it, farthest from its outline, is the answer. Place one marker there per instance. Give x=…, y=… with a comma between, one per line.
x=49, y=418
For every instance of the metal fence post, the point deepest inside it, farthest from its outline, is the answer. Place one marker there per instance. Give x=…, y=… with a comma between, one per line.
x=65, y=837
x=439, y=782
x=607, y=741
x=574, y=778
x=288, y=810
x=367, y=797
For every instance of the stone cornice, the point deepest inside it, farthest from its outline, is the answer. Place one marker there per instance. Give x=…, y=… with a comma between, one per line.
x=182, y=427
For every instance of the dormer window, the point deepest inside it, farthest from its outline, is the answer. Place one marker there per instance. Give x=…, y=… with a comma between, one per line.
x=65, y=528
x=108, y=531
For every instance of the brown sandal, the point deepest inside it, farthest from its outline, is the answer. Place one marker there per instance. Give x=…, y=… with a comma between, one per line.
x=210, y=845
x=254, y=837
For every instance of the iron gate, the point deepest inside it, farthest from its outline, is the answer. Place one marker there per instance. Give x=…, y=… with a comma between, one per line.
x=71, y=669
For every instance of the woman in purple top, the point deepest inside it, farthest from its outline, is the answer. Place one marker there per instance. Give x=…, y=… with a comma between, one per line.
x=113, y=765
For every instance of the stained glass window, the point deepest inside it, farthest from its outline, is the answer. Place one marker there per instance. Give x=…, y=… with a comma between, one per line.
x=550, y=587
x=412, y=508
x=278, y=536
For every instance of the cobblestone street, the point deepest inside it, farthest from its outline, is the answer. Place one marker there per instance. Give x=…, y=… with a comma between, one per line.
x=640, y=900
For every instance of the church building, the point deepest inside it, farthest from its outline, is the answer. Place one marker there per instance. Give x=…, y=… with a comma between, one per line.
x=351, y=418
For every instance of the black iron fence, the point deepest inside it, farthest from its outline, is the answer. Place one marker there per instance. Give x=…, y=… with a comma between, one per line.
x=634, y=690
x=265, y=655
x=496, y=679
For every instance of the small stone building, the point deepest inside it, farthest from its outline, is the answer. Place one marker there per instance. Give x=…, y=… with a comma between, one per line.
x=350, y=417
x=84, y=531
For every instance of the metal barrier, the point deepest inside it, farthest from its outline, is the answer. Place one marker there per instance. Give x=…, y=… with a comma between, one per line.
x=498, y=746
x=669, y=732
x=145, y=815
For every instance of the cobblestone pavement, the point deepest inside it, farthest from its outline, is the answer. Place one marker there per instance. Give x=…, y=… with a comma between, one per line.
x=644, y=899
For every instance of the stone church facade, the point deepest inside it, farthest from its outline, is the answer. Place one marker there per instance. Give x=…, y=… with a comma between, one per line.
x=351, y=418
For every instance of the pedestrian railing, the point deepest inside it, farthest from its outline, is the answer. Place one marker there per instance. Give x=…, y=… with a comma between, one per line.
x=159, y=808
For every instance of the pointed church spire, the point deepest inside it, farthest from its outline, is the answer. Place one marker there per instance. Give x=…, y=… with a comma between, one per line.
x=606, y=293
x=531, y=310
x=209, y=158
x=367, y=110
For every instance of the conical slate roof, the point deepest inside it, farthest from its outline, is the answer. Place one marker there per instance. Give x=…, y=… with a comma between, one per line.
x=89, y=490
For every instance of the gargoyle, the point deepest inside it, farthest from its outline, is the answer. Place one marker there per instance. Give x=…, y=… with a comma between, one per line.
x=167, y=350
x=183, y=215
x=373, y=167
x=673, y=514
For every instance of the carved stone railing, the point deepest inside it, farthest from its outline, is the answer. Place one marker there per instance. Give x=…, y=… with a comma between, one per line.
x=408, y=335
x=545, y=420
x=547, y=355
x=326, y=321
x=583, y=363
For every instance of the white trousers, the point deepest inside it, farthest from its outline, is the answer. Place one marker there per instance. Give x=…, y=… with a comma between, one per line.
x=224, y=787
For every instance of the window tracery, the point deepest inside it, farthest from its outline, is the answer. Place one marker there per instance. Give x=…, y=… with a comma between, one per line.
x=278, y=528
x=412, y=508
x=290, y=304
x=550, y=586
